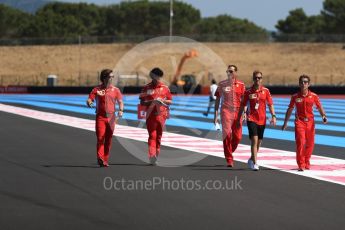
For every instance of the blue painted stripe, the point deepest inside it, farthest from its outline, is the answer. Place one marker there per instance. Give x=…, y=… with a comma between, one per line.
x=176, y=113
x=270, y=133
x=80, y=100
x=178, y=102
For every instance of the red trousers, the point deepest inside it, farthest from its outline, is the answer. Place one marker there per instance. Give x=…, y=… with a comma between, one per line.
x=304, y=136
x=155, y=125
x=232, y=134
x=105, y=127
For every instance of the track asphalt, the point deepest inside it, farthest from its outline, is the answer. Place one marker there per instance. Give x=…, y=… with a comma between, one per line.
x=49, y=179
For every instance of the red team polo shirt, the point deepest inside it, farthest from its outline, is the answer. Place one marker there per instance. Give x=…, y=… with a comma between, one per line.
x=106, y=99
x=304, y=105
x=261, y=96
x=152, y=92
x=231, y=95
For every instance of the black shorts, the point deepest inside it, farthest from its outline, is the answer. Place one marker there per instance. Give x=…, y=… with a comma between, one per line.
x=256, y=130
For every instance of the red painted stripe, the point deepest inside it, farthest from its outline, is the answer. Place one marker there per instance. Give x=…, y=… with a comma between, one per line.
x=275, y=158
x=340, y=179
x=327, y=167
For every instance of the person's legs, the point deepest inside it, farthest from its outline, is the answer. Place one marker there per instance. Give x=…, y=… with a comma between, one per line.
x=226, y=133
x=236, y=134
x=258, y=146
x=110, y=126
x=210, y=104
x=255, y=141
x=151, y=125
x=160, y=126
x=300, y=139
x=309, y=146
x=208, y=108
x=254, y=148
x=260, y=132
x=100, y=133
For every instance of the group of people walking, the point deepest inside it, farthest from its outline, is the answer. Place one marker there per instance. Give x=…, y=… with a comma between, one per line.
x=236, y=105
x=239, y=104
x=156, y=98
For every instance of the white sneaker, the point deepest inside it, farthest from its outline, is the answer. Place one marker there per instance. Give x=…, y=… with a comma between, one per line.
x=153, y=160
x=256, y=167
x=250, y=164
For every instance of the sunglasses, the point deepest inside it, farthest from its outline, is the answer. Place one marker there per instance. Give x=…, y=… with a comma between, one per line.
x=304, y=82
x=257, y=78
x=230, y=71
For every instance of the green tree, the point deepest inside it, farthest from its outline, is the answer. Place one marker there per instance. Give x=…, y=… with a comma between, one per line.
x=130, y=18
x=147, y=18
x=299, y=23
x=225, y=24
x=227, y=28
x=64, y=19
x=334, y=16
x=185, y=18
x=27, y=6
x=11, y=21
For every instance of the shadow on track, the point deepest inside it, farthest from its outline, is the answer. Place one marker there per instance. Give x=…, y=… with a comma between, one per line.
x=70, y=166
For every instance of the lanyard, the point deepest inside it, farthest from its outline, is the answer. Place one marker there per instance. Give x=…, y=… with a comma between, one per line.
x=257, y=93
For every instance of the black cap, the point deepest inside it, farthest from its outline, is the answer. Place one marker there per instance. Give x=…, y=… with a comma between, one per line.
x=156, y=72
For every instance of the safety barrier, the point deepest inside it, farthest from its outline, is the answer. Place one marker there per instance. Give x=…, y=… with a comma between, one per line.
x=199, y=90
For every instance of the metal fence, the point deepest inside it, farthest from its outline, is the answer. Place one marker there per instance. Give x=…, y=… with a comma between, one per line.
x=134, y=79
x=252, y=37
x=41, y=79
x=85, y=79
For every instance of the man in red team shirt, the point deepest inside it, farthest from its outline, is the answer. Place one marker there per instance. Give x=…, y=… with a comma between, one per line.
x=157, y=97
x=304, y=101
x=229, y=93
x=257, y=96
x=106, y=96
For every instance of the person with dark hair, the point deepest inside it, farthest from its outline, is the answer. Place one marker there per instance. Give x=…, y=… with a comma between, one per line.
x=257, y=96
x=106, y=96
x=156, y=97
x=304, y=101
x=229, y=94
x=212, y=99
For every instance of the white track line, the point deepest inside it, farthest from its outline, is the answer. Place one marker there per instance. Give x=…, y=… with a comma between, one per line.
x=323, y=168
